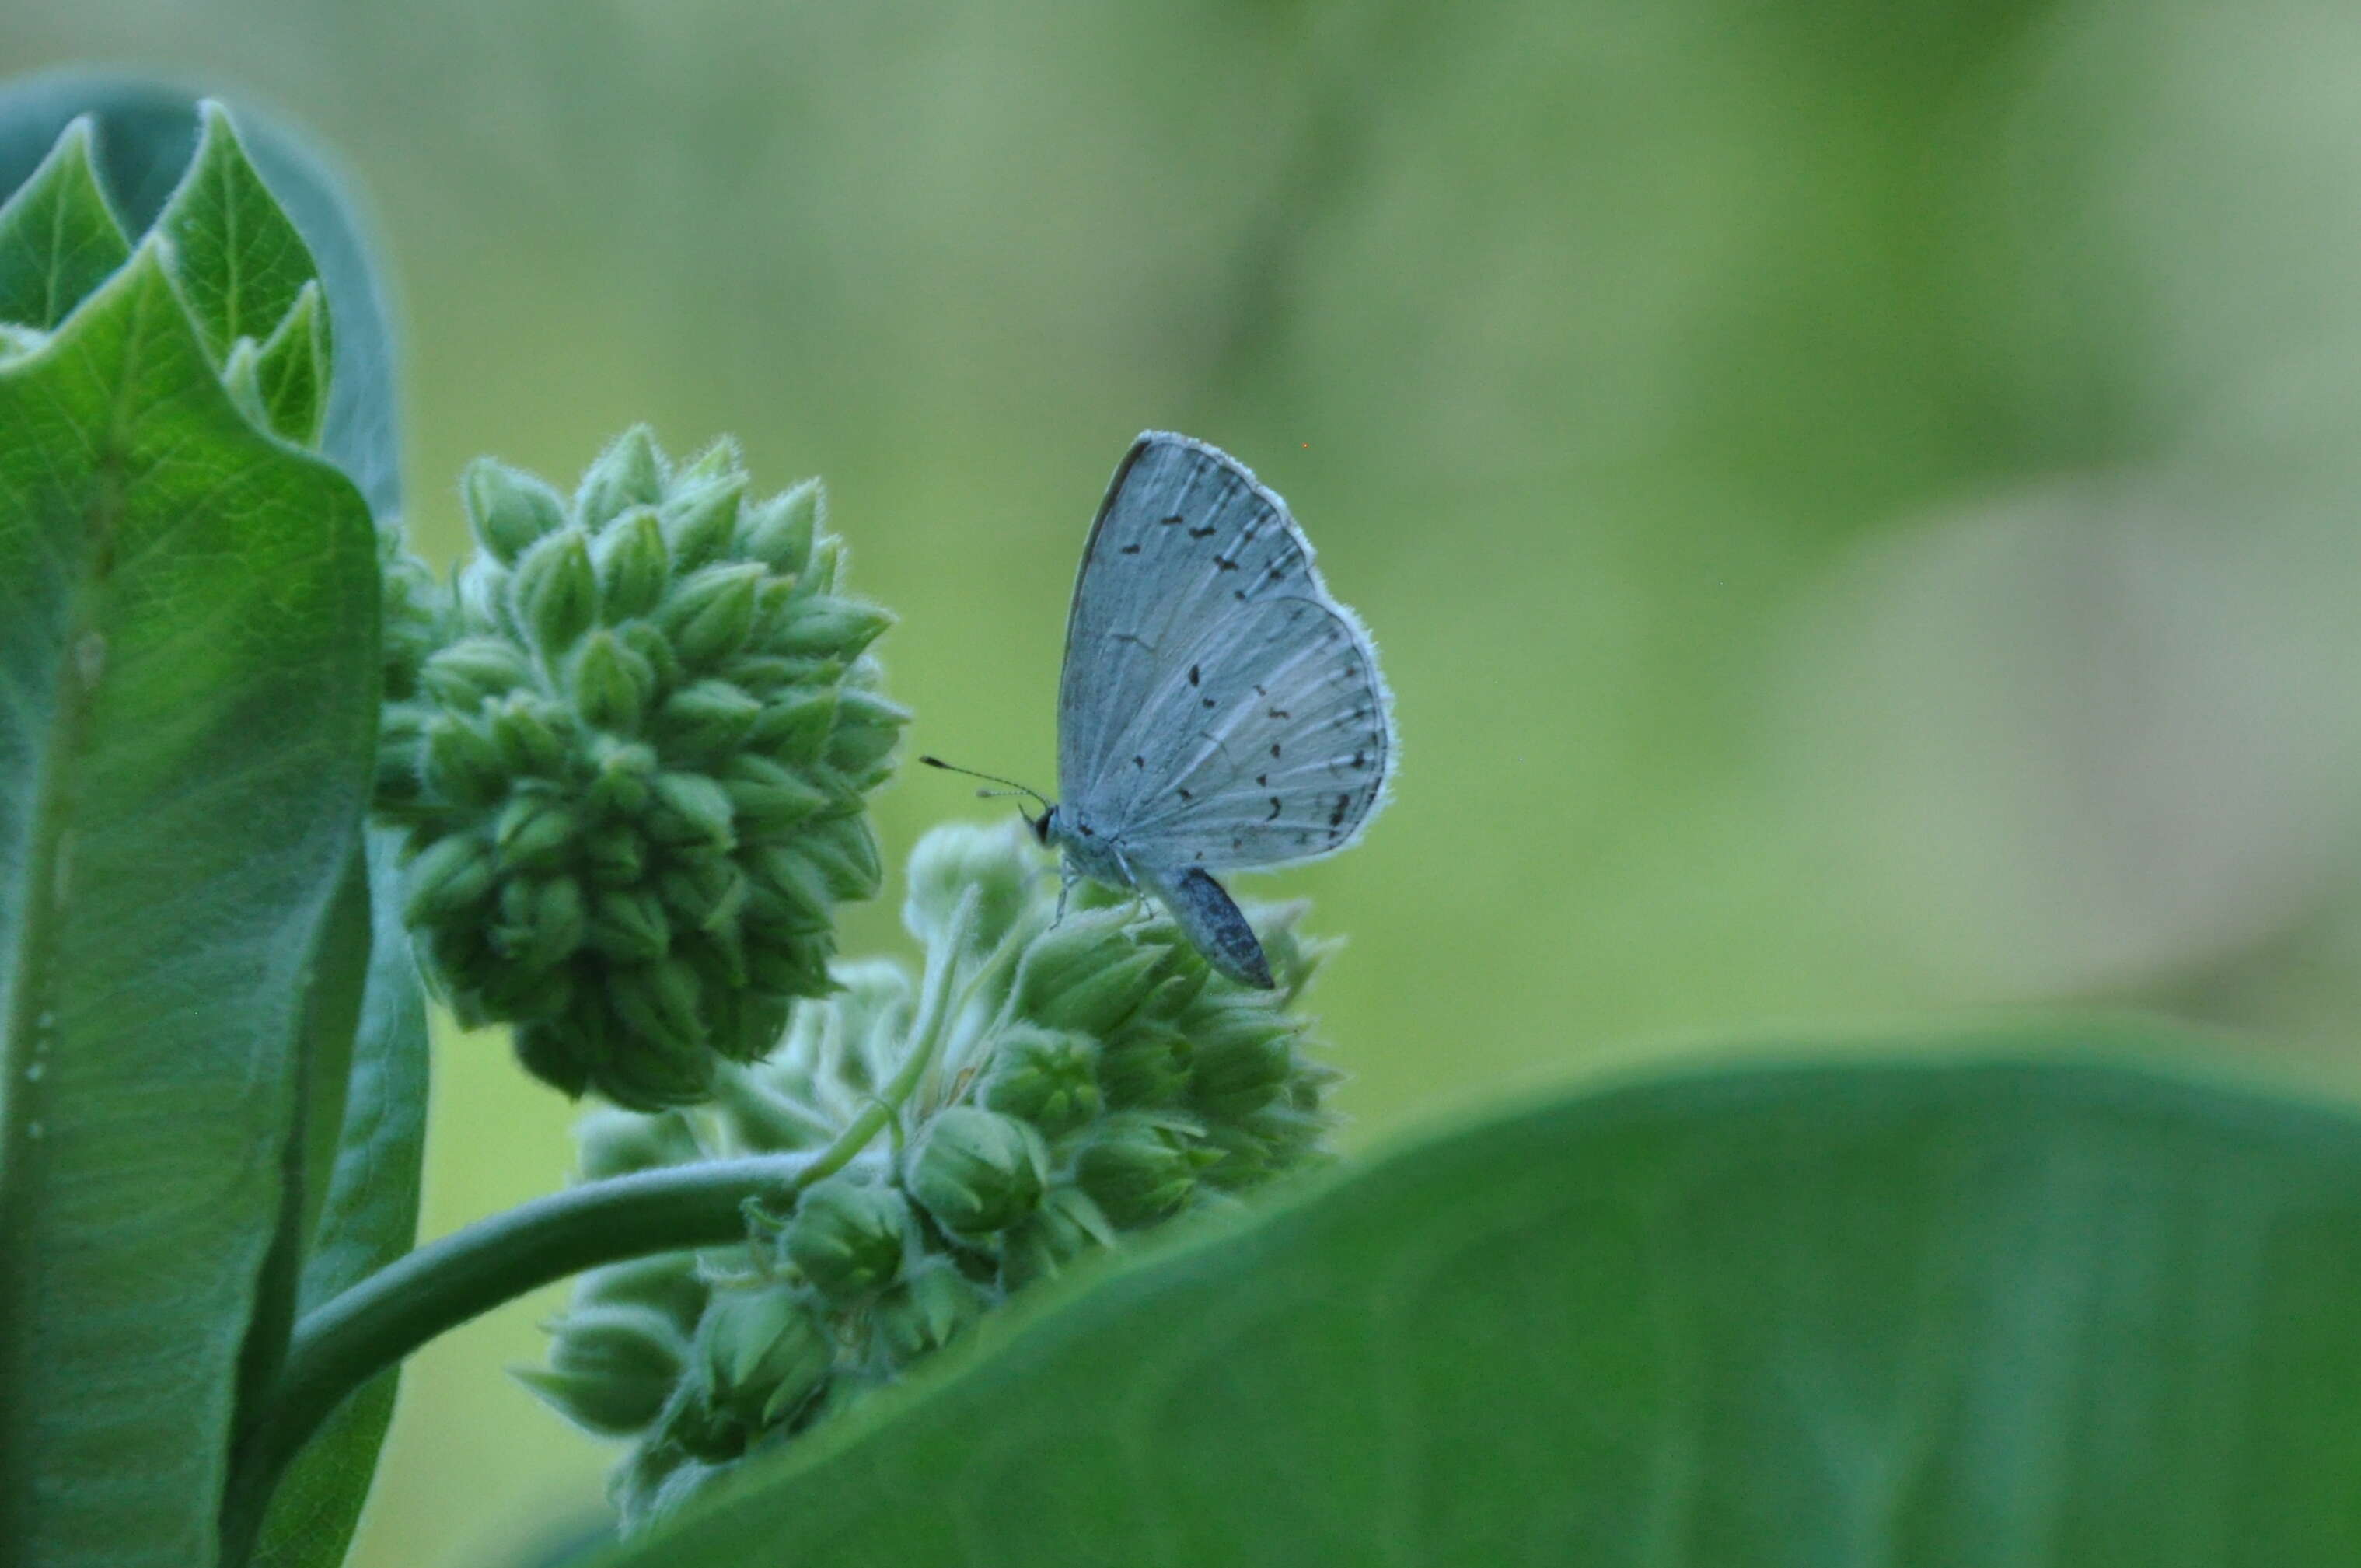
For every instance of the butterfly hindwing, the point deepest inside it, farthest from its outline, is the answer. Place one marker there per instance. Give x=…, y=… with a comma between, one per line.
x=1271, y=745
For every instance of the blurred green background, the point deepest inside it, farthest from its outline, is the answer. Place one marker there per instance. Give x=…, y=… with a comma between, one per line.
x=1856, y=498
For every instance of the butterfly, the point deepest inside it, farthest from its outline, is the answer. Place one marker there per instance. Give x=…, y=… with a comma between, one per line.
x=1219, y=710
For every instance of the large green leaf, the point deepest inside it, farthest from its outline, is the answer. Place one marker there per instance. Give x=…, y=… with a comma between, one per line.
x=146, y=133
x=187, y=673
x=2004, y=1307
x=245, y=270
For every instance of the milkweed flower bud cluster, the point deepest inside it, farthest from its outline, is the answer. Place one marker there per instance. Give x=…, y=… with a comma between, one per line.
x=632, y=756
x=1056, y=1083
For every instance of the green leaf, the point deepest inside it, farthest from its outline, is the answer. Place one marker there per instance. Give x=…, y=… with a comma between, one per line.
x=145, y=133
x=370, y=1219
x=57, y=238
x=240, y=262
x=188, y=677
x=2003, y=1306
x=293, y=369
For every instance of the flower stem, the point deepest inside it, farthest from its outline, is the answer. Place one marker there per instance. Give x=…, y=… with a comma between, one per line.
x=348, y=1340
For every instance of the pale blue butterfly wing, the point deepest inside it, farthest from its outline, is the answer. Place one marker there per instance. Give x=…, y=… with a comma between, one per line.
x=1219, y=710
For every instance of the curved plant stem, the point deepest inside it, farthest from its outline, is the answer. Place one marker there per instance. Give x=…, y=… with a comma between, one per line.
x=351, y=1338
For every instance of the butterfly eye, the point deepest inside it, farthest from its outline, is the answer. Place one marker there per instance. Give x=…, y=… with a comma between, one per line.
x=1041, y=826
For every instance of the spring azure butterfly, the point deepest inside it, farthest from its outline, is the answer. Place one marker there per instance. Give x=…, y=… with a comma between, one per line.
x=1219, y=710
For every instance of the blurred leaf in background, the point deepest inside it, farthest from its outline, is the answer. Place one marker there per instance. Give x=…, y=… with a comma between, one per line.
x=1856, y=500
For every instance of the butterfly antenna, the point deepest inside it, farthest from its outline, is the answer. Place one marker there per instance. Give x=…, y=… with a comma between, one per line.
x=1013, y=787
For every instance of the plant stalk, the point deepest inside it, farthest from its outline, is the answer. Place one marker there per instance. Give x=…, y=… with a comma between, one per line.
x=343, y=1343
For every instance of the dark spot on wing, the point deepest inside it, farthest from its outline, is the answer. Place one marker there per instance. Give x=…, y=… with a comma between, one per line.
x=1185, y=794
x=1263, y=780
x=1238, y=843
x=1260, y=692
x=1174, y=520
x=1281, y=713
x=1336, y=816
x=1274, y=747
x=1360, y=759
x=1225, y=563
x=1205, y=532
x=1193, y=674
x=1128, y=549
x=1275, y=810
x=1207, y=701
x=1239, y=595
x=1086, y=829
x=1139, y=761
x=1135, y=640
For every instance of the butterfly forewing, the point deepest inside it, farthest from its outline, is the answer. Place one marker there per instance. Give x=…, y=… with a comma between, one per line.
x=1218, y=708
x=1148, y=588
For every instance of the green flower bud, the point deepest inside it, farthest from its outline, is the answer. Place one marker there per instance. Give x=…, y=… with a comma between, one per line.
x=462, y=763
x=448, y=878
x=1092, y=981
x=481, y=588
x=535, y=832
x=509, y=511
x=659, y=1001
x=628, y=474
x=795, y=726
x=531, y=734
x=611, y=682
x=617, y=1143
x=1047, y=1077
x=927, y=1309
x=849, y=1238
x=1241, y=1059
x=949, y=861
x=417, y=615
x=634, y=563
x=764, y=1352
x=610, y=1368
x=719, y=460
x=555, y=593
x=826, y=624
x=1146, y=1063
x=978, y=1171
x=622, y=781
x=844, y=852
x=553, y=1054
x=784, y=891
x=699, y=524
x=710, y=614
x=867, y=726
x=1067, y=1226
x=542, y=922
x=706, y=894
x=696, y=810
x=779, y=531
x=666, y=1282
x=767, y=797
x=468, y=671
x=645, y=1077
x=708, y=719
x=1139, y=1169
